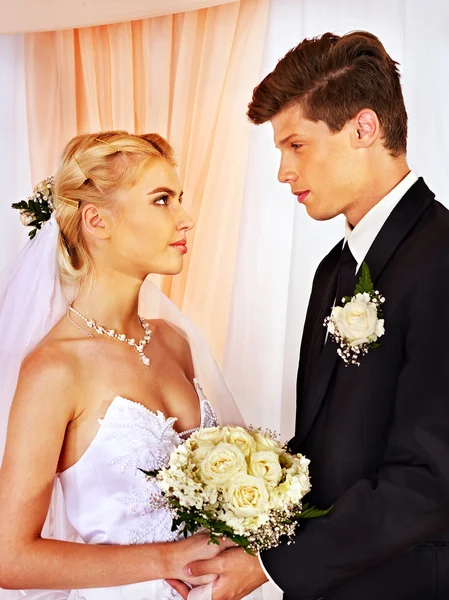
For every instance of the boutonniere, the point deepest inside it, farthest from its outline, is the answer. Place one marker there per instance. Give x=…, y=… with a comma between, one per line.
x=357, y=325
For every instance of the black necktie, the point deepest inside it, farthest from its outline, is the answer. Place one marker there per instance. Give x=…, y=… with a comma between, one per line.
x=346, y=280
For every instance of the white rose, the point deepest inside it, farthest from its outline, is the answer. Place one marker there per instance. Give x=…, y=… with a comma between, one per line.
x=246, y=496
x=221, y=464
x=200, y=453
x=264, y=442
x=26, y=217
x=380, y=329
x=209, y=436
x=357, y=320
x=265, y=464
x=241, y=438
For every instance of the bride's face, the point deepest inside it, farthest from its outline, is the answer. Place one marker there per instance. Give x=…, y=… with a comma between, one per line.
x=149, y=234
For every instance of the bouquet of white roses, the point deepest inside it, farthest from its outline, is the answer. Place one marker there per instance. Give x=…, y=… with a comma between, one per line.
x=238, y=483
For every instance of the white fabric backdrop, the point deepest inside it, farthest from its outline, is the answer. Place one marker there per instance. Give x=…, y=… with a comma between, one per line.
x=14, y=158
x=280, y=246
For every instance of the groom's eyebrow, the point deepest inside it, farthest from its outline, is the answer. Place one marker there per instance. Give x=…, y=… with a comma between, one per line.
x=287, y=139
x=290, y=137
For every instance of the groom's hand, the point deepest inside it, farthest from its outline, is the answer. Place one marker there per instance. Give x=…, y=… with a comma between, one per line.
x=180, y=587
x=238, y=573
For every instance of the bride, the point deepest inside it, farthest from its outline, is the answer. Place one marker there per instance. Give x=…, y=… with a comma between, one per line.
x=111, y=380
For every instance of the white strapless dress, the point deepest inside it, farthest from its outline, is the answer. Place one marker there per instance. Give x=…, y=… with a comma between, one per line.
x=106, y=495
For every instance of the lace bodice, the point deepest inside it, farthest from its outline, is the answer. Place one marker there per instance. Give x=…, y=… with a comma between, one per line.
x=107, y=497
x=109, y=500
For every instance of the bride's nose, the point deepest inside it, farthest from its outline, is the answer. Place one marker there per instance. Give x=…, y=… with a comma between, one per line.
x=185, y=221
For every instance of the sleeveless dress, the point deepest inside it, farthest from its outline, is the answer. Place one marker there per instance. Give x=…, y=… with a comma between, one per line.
x=107, y=496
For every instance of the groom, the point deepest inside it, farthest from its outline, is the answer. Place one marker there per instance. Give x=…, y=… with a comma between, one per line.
x=377, y=434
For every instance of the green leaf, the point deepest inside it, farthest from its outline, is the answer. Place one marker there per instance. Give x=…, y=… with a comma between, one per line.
x=311, y=512
x=365, y=284
x=22, y=205
x=149, y=473
x=192, y=520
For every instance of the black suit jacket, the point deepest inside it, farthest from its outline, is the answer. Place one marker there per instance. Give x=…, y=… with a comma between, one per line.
x=378, y=435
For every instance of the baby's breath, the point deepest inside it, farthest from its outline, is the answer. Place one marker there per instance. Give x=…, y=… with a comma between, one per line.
x=220, y=506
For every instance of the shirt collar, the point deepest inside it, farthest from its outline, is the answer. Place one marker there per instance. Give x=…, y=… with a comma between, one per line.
x=361, y=238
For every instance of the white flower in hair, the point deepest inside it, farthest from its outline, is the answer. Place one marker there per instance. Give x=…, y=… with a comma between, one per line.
x=37, y=210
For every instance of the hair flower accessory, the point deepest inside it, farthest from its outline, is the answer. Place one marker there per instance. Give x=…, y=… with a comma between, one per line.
x=357, y=325
x=35, y=211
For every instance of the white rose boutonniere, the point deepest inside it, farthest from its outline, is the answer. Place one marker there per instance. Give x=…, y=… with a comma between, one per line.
x=358, y=324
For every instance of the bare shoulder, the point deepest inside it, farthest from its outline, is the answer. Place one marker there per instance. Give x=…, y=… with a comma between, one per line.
x=49, y=372
x=44, y=403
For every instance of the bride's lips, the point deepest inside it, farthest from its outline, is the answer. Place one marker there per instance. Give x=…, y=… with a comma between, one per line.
x=180, y=246
x=301, y=196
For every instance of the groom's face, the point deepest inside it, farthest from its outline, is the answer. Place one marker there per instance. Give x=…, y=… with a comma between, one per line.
x=322, y=168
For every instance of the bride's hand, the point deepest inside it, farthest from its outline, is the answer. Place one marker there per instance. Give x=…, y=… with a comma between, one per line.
x=193, y=548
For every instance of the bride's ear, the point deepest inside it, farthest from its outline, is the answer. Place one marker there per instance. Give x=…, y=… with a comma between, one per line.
x=94, y=223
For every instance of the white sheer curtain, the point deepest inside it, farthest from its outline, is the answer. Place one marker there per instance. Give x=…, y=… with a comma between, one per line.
x=14, y=159
x=280, y=246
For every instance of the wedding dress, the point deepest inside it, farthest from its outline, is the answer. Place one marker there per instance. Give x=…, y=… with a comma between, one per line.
x=103, y=498
x=109, y=500
x=107, y=497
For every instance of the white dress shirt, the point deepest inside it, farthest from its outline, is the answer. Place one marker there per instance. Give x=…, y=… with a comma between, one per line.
x=361, y=238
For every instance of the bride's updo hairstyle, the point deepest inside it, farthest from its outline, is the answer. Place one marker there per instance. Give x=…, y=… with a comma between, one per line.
x=93, y=169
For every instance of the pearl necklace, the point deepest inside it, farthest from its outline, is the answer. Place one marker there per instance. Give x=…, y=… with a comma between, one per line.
x=121, y=337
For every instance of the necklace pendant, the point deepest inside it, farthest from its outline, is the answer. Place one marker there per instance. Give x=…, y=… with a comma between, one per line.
x=139, y=346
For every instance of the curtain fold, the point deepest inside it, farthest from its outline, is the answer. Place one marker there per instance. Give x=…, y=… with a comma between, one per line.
x=186, y=76
x=14, y=163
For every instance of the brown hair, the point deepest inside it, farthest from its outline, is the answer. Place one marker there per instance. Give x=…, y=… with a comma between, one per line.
x=93, y=168
x=332, y=78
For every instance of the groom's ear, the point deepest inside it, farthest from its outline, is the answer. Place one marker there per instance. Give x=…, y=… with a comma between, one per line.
x=366, y=128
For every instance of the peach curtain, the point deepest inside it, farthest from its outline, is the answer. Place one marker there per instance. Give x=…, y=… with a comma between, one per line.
x=23, y=16
x=188, y=77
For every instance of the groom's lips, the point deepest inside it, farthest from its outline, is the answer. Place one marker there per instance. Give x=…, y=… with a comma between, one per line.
x=301, y=196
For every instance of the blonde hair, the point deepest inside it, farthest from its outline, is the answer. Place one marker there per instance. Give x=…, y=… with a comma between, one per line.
x=94, y=167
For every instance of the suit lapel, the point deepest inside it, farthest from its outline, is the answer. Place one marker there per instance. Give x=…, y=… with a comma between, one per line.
x=322, y=364
x=399, y=224
x=325, y=295
x=311, y=362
